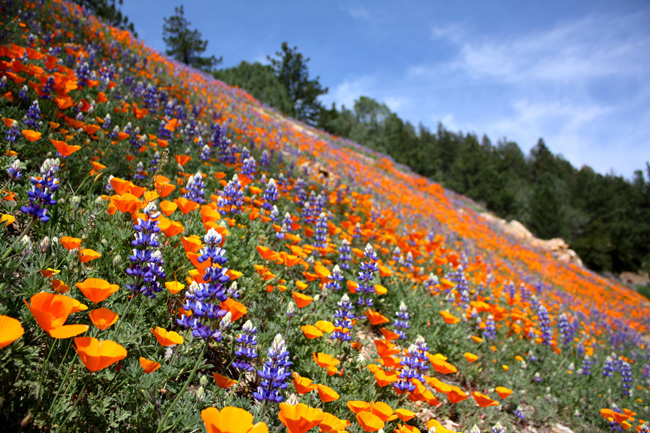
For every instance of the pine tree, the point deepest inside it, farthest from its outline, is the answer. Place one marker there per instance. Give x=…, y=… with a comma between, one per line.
x=185, y=45
x=290, y=67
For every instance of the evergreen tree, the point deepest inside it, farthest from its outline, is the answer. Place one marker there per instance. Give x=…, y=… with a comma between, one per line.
x=290, y=67
x=185, y=45
x=259, y=81
x=109, y=11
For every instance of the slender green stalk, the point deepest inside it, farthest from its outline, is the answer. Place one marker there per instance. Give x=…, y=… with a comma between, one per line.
x=185, y=386
x=20, y=236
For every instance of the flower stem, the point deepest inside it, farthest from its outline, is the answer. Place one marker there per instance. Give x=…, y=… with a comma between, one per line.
x=185, y=386
x=20, y=236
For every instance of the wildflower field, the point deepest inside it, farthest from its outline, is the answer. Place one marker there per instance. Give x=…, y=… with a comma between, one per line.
x=178, y=257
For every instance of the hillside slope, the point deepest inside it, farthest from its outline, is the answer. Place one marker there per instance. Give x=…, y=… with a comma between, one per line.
x=159, y=263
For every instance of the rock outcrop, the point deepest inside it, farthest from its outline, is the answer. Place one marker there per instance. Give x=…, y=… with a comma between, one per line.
x=557, y=247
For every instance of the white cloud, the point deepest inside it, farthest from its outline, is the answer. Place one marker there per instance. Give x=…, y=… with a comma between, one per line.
x=350, y=90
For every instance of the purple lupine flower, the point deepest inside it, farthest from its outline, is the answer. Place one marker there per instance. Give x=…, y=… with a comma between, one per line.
x=43, y=189
x=320, y=234
x=275, y=372
x=246, y=352
x=206, y=153
x=401, y=324
x=544, y=325
x=265, y=160
x=409, y=371
x=204, y=300
x=366, y=275
x=564, y=327
x=343, y=319
x=14, y=170
x=275, y=213
x=300, y=191
x=609, y=366
x=194, y=189
x=146, y=260
x=585, y=370
x=233, y=195
x=345, y=255
x=287, y=221
x=249, y=167
x=626, y=378
x=334, y=279
x=498, y=428
x=139, y=171
x=431, y=282
x=270, y=195
x=490, y=331
x=33, y=115
x=12, y=133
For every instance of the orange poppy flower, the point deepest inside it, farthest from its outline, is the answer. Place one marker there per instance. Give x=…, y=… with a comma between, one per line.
x=98, y=354
x=31, y=135
x=503, y=391
x=47, y=273
x=441, y=365
x=299, y=418
x=168, y=207
x=7, y=219
x=126, y=203
x=324, y=360
x=70, y=243
x=404, y=428
x=456, y=395
x=303, y=385
x=96, y=289
x=103, y=318
x=358, y=406
x=375, y=318
x=59, y=286
x=10, y=330
x=404, y=414
x=223, y=382
x=369, y=421
x=301, y=300
x=121, y=186
x=236, y=309
x=64, y=148
x=616, y=416
x=389, y=335
x=87, y=255
x=385, y=378
x=174, y=287
x=311, y=331
x=186, y=206
x=449, y=318
x=330, y=423
x=483, y=400
x=470, y=357
x=148, y=365
x=167, y=338
x=382, y=410
x=325, y=326
x=51, y=311
x=326, y=393
x=301, y=285
x=191, y=244
x=231, y=420
x=174, y=228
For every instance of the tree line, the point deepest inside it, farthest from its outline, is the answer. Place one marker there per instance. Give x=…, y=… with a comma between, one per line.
x=604, y=218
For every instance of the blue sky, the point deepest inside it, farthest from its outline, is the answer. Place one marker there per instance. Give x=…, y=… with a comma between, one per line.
x=576, y=73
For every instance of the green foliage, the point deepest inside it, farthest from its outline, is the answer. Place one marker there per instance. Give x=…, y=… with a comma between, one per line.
x=258, y=80
x=109, y=11
x=290, y=67
x=185, y=45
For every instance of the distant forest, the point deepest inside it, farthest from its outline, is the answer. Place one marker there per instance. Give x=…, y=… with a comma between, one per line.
x=604, y=218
